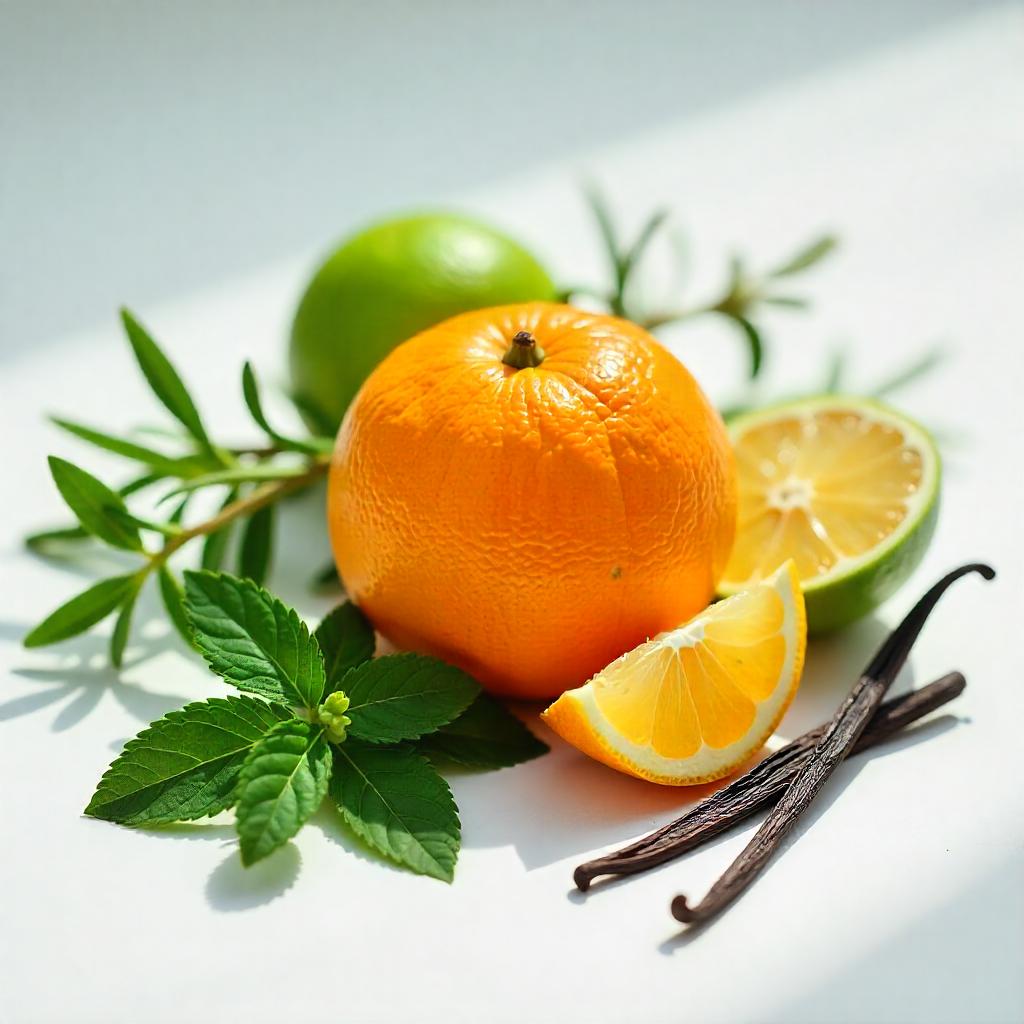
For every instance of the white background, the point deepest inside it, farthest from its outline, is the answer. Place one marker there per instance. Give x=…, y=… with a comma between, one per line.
x=193, y=166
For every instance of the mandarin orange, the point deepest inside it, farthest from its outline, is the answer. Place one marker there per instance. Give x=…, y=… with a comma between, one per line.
x=528, y=492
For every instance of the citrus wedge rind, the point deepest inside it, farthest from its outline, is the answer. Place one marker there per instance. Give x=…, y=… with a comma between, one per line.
x=846, y=487
x=693, y=704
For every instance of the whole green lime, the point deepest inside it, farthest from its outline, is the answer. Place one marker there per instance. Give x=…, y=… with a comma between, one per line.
x=392, y=281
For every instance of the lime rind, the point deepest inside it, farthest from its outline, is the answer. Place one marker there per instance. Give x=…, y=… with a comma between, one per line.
x=858, y=584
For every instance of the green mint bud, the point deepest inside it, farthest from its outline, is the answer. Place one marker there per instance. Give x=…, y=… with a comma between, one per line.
x=331, y=715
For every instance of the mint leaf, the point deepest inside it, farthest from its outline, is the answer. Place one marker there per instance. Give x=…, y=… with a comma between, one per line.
x=92, y=502
x=81, y=612
x=403, y=696
x=253, y=640
x=485, y=735
x=186, y=765
x=283, y=781
x=346, y=639
x=394, y=800
x=164, y=379
x=257, y=542
x=174, y=601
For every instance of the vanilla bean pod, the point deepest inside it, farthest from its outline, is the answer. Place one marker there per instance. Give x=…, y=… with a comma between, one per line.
x=842, y=733
x=760, y=787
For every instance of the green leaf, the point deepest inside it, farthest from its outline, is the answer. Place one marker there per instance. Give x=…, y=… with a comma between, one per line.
x=643, y=239
x=239, y=475
x=485, y=735
x=283, y=781
x=327, y=578
x=123, y=625
x=836, y=371
x=44, y=539
x=754, y=344
x=251, y=393
x=314, y=415
x=216, y=544
x=164, y=379
x=920, y=367
x=174, y=601
x=786, y=301
x=92, y=502
x=806, y=257
x=346, y=639
x=602, y=216
x=178, y=512
x=404, y=696
x=396, y=803
x=140, y=483
x=81, y=612
x=253, y=640
x=131, y=450
x=257, y=543
x=131, y=520
x=186, y=765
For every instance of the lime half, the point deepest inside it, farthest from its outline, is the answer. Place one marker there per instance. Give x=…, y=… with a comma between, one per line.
x=846, y=487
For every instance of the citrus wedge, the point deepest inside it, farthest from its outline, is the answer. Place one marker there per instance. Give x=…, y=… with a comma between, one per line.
x=846, y=488
x=694, y=703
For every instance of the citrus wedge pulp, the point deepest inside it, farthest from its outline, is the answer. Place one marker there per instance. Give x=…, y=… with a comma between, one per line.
x=845, y=487
x=694, y=703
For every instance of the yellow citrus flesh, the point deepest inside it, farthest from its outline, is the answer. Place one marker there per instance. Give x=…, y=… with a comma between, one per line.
x=692, y=704
x=827, y=483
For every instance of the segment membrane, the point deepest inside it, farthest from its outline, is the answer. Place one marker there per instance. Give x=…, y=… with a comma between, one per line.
x=683, y=689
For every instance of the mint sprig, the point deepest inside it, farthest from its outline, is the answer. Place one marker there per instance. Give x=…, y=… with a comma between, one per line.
x=321, y=718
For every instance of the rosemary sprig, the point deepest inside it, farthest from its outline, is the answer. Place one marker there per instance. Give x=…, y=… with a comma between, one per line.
x=253, y=480
x=741, y=303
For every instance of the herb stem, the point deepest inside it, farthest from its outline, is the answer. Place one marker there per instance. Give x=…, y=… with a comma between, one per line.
x=261, y=497
x=842, y=733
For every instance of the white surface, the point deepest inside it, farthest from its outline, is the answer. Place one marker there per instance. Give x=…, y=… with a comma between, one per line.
x=148, y=148
x=904, y=900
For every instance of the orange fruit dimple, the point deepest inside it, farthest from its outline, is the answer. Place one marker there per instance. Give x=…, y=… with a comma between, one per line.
x=530, y=525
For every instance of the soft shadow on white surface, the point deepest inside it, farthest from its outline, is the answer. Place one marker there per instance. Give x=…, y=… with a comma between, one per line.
x=232, y=888
x=83, y=675
x=918, y=974
x=930, y=728
x=592, y=807
x=844, y=777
